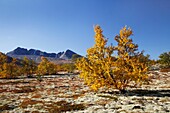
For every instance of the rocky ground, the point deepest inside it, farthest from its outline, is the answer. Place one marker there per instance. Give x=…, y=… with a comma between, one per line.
x=69, y=94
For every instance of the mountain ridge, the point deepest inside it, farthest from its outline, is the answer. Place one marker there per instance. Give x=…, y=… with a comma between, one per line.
x=36, y=55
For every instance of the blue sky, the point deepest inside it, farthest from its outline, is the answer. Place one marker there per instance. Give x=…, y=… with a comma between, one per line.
x=57, y=25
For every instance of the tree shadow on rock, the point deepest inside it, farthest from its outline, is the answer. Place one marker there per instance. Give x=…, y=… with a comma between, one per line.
x=151, y=93
x=142, y=92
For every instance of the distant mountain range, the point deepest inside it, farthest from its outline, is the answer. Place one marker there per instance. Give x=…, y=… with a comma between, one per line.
x=61, y=57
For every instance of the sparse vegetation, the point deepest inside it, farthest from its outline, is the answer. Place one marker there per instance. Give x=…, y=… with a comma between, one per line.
x=9, y=67
x=68, y=67
x=13, y=68
x=63, y=94
x=29, y=67
x=164, y=60
x=75, y=57
x=46, y=67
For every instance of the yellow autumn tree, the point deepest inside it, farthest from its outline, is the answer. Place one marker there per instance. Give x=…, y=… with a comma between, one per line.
x=11, y=70
x=29, y=67
x=46, y=67
x=130, y=66
x=96, y=67
x=70, y=67
x=3, y=60
x=100, y=68
x=9, y=67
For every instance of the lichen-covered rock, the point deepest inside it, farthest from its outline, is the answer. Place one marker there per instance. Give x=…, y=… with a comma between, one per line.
x=72, y=96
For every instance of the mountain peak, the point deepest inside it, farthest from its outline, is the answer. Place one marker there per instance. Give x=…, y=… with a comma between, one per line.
x=20, y=51
x=67, y=54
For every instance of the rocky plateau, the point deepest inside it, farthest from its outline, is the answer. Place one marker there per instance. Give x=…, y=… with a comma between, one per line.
x=68, y=94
